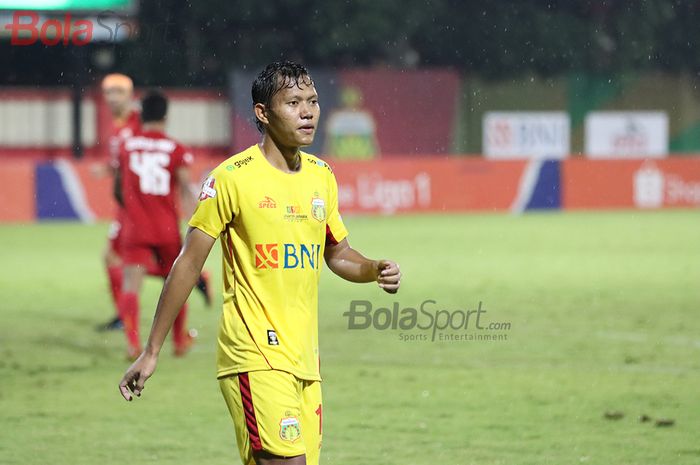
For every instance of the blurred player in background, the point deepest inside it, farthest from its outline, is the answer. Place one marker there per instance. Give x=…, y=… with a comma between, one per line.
x=275, y=209
x=118, y=93
x=117, y=90
x=152, y=167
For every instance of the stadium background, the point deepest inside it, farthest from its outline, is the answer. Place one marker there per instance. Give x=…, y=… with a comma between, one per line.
x=597, y=279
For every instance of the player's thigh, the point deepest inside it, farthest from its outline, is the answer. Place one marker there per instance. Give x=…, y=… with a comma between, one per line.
x=230, y=389
x=136, y=254
x=136, y=257
x=312, y=420
x=266, y=411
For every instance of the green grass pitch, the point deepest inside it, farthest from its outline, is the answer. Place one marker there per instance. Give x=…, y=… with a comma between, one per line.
x=604, y=311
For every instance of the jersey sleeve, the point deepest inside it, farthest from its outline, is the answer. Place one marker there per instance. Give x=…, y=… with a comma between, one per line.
x=335, y=229
x=217, y=205
x=182, y=157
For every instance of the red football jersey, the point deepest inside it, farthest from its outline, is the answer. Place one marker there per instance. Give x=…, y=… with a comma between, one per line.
x=120, y=131
x=148, y=161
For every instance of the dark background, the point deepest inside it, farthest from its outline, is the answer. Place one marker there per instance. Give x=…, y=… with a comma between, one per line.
x=187, y=43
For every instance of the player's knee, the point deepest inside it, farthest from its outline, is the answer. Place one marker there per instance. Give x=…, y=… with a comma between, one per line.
x=133, y=278
x=110, y=258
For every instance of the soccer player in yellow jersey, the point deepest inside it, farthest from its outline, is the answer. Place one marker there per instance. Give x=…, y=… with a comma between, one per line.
x=275, y=210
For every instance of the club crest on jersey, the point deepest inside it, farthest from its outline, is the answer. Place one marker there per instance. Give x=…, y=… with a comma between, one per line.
x=208, y=191
x=290, y=429
x=318, y=208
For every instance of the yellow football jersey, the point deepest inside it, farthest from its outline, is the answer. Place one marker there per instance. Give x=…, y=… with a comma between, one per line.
x=274, y=227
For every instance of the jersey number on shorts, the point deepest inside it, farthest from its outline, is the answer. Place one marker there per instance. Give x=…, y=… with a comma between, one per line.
x=319, y=412
x=154, y=178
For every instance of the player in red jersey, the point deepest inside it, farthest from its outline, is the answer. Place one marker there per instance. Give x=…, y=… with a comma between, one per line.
x=152, y=166
x=117, y=90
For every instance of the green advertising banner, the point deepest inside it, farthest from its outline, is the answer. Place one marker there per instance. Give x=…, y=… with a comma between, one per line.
x=65, y=4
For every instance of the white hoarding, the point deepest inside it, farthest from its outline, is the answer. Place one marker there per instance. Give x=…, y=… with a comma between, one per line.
x=628, y=134
x=526, y=135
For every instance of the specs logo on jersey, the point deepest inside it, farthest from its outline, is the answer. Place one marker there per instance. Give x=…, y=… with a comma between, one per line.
x=267, y=202
x=318, y=208
x=208, y=191
x=294, y=256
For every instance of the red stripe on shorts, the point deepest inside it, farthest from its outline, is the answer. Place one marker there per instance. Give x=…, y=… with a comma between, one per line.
x=250, y=421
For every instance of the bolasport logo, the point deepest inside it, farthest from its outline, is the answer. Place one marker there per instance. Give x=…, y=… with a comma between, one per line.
x=27, y=28
x=427, y=322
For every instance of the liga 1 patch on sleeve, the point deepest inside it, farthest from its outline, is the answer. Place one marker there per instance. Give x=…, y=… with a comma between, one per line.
x=208, y=190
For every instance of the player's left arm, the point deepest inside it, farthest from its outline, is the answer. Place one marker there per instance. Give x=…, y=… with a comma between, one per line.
x=352, y=266
x=117, y=190
x=347, y=262
x=118, y=162
x=188, y=195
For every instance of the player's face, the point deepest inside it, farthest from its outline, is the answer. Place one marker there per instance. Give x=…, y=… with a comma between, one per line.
x=293, y=114
x=118, y=100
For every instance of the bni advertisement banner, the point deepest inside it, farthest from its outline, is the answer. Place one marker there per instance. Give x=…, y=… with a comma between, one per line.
x=631, y=183
x=531, y=135
x=628, y=134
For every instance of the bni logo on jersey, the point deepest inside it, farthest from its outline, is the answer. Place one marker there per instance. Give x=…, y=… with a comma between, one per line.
x=267, y=256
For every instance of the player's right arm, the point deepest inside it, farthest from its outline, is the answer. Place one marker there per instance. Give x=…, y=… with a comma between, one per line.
x=117, y=190
x=188, y=197
x=119, y=162
x=182, y=278
x=215, y=210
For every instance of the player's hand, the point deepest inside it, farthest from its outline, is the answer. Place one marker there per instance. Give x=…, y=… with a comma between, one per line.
x=389, y=276
x=136, y=376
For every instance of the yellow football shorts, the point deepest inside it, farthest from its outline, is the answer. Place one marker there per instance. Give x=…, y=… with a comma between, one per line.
x=275, y=412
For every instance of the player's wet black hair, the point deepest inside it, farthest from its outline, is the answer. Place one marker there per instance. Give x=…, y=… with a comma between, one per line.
x=275, y=77
x=154, y=106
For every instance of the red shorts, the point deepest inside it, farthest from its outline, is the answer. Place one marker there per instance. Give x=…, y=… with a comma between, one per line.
x=115, y=237
x=144, y=254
